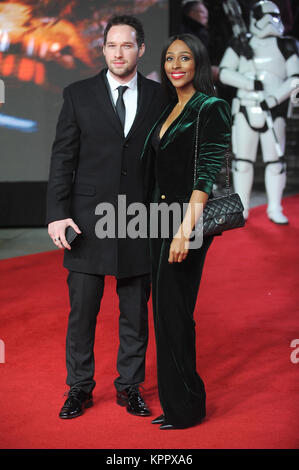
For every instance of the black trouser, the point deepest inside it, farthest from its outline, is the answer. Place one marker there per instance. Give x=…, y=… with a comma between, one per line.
x=86, y=291
x=174, y=293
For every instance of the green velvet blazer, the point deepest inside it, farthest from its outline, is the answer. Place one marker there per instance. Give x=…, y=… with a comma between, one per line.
x=171, y=169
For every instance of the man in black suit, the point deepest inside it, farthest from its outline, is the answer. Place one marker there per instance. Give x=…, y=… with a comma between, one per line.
x=95, y=158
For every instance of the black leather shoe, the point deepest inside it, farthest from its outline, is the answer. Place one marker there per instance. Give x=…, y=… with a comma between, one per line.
x=159, y=420
x=132, y=399
x=166, y=426
x=169, y=426
x=75, y=403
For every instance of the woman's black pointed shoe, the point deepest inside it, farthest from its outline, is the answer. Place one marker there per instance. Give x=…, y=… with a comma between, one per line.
x=166, y=426
x=159, y=420
x=172, y=426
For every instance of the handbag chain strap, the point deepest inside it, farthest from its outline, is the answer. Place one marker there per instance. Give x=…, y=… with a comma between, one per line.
x=227, y=153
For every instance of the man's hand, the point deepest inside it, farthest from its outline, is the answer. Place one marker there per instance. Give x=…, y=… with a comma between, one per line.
x=57, y=229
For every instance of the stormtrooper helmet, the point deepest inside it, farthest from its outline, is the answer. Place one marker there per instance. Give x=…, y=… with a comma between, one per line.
x=265, y=20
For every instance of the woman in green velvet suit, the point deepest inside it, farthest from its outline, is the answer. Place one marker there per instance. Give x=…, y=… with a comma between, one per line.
x=168, y=165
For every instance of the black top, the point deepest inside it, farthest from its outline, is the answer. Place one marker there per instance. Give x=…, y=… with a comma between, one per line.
x=156, y=137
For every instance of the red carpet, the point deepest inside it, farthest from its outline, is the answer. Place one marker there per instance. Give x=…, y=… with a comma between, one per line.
x=247, y=316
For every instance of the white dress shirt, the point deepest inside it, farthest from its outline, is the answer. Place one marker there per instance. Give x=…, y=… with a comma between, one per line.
x=129, y=96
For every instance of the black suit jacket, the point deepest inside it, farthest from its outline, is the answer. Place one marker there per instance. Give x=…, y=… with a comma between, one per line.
x=92, y=162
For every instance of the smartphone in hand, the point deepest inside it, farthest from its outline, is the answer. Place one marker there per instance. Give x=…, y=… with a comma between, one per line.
x=70, y=234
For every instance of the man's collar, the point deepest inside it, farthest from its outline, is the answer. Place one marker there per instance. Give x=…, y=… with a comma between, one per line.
x=114, y=84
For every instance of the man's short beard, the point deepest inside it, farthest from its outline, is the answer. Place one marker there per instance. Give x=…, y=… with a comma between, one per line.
x=124, y=72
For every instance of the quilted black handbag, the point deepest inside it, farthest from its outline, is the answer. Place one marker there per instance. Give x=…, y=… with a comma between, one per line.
x=220, y=213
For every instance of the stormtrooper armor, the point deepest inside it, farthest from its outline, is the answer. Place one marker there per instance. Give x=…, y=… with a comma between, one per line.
x=265, y=76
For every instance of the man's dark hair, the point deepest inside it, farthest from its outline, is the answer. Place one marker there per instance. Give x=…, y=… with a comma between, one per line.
x=203, y=77
x=127, y=20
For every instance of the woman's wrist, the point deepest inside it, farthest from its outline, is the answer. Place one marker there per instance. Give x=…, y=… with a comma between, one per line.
x=183, y=232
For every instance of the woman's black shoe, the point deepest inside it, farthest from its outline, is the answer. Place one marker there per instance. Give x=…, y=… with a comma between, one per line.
x=159, y=420
x=166, y=426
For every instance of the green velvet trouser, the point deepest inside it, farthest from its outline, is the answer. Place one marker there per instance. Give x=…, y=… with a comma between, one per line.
x=174, y=293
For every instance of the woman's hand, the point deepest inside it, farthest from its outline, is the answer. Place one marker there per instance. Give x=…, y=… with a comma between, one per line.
x=179, y=248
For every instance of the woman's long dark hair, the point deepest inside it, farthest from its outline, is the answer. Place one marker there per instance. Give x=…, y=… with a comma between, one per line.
x=203, y=75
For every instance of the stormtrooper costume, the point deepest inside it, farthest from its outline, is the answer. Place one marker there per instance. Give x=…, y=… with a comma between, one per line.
x=265, y=79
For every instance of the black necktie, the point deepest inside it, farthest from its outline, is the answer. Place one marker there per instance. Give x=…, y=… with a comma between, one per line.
x=120, y=105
